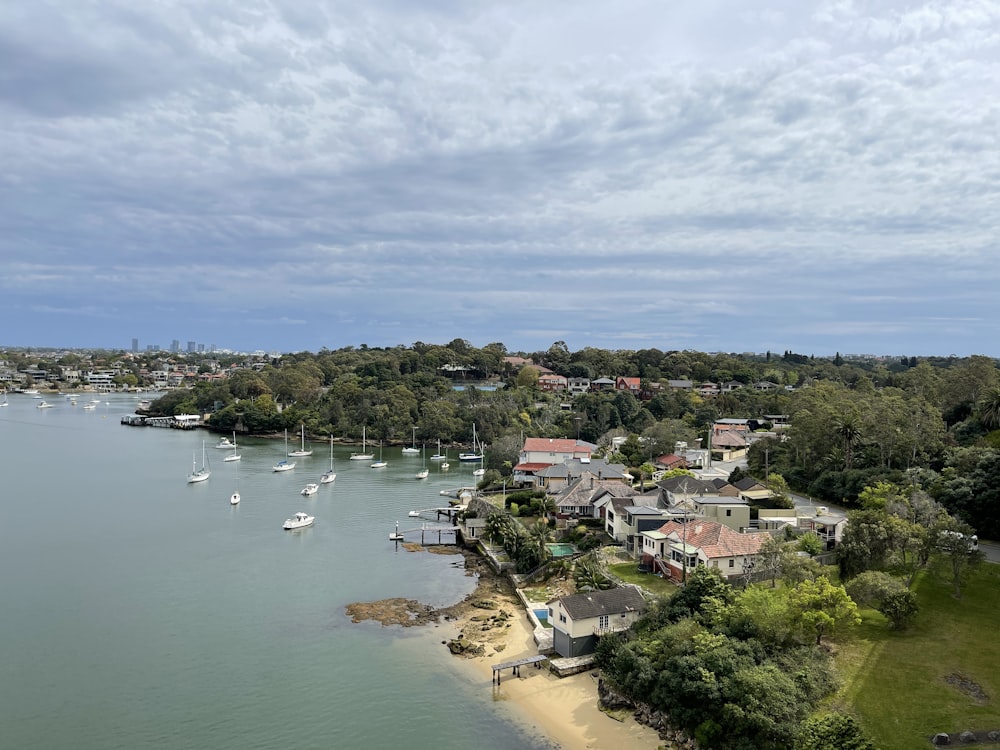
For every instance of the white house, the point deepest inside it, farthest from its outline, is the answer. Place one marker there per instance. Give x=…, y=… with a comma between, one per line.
x=580, y=619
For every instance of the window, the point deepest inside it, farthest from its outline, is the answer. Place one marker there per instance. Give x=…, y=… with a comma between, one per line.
x=562, y=617
x=729, y=511
x=602, y=622
x=732, y=563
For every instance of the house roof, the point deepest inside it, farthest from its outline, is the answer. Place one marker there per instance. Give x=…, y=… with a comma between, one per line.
x=587, y=488
x=596, y=603
x=672, y=460
x=714, y=539
x=688, y=486
x=531, y=467
x=598, y=467
x=747, y=484
x=728, y=439
x=556, y=445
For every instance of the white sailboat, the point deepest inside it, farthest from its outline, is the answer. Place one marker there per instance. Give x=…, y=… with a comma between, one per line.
x=380, y=464
x=302, y=451
x=284, y=465
x=412, y=449
x=424, y=472
x=364, y=455
x=199, y=475
x=477, y=453
x=234, y=499
x=329, y=476
x=439, y=456
x=234, y=456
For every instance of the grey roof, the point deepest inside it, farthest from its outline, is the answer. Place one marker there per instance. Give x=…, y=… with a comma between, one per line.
x=748, y=483
x=643, y=510
x=575, y=468
x=688, y=486
x=596, y=603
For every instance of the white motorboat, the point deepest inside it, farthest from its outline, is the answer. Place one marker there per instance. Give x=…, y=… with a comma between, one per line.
x=225, y=443
x=364, y=455
x=284, y=465
x=412, y=449
x=43, y=405
x=329, y=476
x=302, y=450
x=423, y=474
x=234, y=499
x=89, y=407
x=479, y=472
x=299, y=521
x=199, y=474
x=30, y=391
x=310, y=489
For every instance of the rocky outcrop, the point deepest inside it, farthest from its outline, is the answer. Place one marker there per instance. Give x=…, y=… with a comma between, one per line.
x=673, y=738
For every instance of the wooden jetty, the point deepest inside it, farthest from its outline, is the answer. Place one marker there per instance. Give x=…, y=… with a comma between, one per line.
x=399, y=535
x=515, y=666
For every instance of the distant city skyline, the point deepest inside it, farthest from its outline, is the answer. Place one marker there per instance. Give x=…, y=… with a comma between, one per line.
x=817, y=177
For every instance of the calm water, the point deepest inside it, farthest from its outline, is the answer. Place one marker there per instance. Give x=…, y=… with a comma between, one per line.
x=139, y=611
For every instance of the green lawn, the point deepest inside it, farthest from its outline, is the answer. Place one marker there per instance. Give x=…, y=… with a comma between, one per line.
x=629, y=573
x=897, y=683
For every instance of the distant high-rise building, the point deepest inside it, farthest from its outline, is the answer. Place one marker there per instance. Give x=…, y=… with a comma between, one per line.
x=190, y=347
x=175, y=346
x=201, y=348
x=211, y=348
x=135, y=345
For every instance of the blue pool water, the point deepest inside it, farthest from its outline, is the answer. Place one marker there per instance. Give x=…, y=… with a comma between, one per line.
x=542, y=614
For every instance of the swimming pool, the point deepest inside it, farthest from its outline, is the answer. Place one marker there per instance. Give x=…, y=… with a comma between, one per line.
x=561, y=550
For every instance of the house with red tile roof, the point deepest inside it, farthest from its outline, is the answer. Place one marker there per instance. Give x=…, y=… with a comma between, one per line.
x=632, y=385
x=540, y=453
x=678, y=546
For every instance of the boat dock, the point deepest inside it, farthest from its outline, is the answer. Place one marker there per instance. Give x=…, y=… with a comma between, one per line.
x=178, y=422
x=515, y=666
x=444, y=534
x=436, y=513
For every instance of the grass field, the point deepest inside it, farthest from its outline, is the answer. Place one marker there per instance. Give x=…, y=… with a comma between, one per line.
x=905, y=687
x=627, y=572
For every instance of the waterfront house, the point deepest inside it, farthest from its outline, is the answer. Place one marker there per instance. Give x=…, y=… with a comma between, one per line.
x=579, y=620
x=677, y=547
x=540, y=453
x=582, y=496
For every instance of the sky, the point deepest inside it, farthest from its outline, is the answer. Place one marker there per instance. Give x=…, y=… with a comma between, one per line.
x=288, y=175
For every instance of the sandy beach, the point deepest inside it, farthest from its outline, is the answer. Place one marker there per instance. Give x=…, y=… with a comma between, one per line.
x=564, y=710
x=495, y=625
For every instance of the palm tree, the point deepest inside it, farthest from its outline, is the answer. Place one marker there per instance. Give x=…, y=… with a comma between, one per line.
x=989, y=408
x=540, y=535
x=850, y=432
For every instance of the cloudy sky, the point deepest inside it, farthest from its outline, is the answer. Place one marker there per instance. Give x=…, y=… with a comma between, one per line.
x=717, y=175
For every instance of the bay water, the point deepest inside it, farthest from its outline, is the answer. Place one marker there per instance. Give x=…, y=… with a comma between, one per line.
x=139, y=611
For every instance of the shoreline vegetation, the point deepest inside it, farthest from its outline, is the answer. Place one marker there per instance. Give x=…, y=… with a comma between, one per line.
x=490, y=626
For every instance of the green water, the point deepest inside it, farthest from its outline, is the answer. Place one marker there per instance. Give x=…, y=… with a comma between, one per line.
x=139, y=611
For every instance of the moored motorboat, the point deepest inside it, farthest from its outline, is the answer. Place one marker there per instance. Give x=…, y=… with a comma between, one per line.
x=234, y=499
x=299, y=521
x=310, y=489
